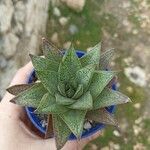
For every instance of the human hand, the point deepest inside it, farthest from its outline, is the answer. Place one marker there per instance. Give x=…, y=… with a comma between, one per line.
x=15, y=135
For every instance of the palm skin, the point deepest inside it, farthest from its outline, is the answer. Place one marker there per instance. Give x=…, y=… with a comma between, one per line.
x=14, y=132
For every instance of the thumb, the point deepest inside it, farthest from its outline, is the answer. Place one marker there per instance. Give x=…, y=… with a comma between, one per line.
x=21, y=77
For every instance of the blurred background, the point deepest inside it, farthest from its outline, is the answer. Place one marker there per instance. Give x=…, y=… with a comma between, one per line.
x=121, y=24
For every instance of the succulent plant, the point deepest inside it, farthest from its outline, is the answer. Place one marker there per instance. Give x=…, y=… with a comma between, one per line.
x=70, y=90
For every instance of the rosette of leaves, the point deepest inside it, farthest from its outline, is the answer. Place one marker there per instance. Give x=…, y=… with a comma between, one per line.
x=71, y=90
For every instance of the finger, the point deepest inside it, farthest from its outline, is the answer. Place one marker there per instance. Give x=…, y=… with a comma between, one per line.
x=21, y=77
x=88, y=139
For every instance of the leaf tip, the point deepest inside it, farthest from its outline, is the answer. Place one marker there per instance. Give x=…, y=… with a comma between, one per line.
x=127, y=100
x=36, y=111
x=79, y=137
x=31, y=56
x=13, y=101
x=43, y=38
x=71, y=48
x=8, y=90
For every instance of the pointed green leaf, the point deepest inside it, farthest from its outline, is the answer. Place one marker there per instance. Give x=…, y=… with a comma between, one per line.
x=91, y=57
x=69, y=66
x=54, y=109
x=105, y=59
x=50, y=51
x=78, y=92
x=61, y=88
x=61, y=131
x=43, y=64
x=74, y=120
x=99, y=81
x=102, y=116
x=84, y=75
x=16, y=89
x=110, y=97
x=46, y=101
x=61, y=100
x=30, y=97
x=52, y=106
x=49, y=79
x=85, y=102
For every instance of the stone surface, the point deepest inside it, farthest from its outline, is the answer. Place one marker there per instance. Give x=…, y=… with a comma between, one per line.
x=6, y=13
x=22, y=24
x=73, y=29
x=67, y=44
x=136, y=75
x=54, y=37
x=139, y=146
x=63, y=21
x=56, y=11
x=9, y=45
x=76, y=5
x=87, y=125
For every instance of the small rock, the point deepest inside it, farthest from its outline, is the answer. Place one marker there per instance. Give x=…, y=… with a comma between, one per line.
x=139, y=146
x=136, y=130
x=54, y=38
x=114, y=146
x=77, y=42
x=136, y=75
x=128, y=60
x=76, y=5
x=105, y=148
x=88, y=49
x=143, y=25
x=56, y=12
x=93, y=146
x=139, y=120
x=63, y=21
x=112, y=64
x=43, y=123
x=115, y=35
x=124, y=124
x=87, y=125
x=148, y=139
x=137, y=105
x=116, y=133
x=66, y=45
x=135, y=31
x=130, y=89
x=126, y=4
x=107, y=17
x=73, y=29
x=125, y=22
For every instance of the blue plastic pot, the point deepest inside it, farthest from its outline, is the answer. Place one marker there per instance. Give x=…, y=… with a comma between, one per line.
x=37, y=122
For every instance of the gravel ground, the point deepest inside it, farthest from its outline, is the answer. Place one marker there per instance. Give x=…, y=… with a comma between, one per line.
x=124, y=25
